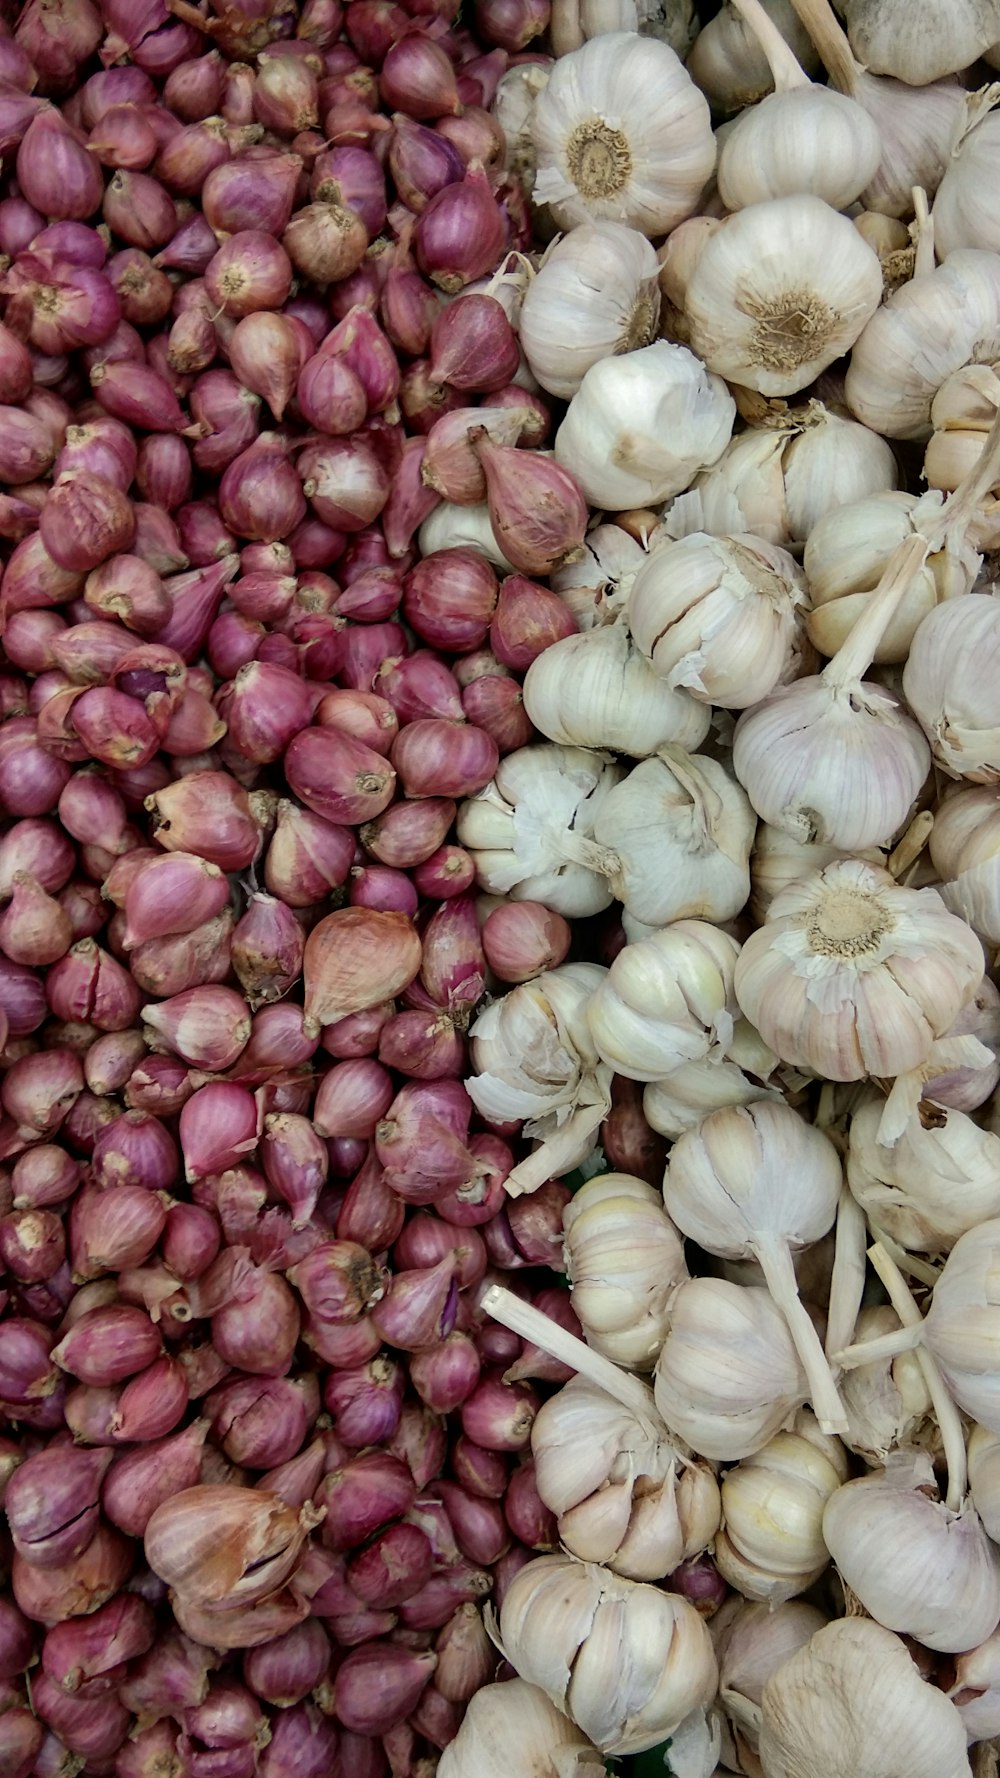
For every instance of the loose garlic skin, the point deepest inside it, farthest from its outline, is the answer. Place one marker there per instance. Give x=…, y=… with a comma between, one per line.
x=728, y=1376
x=914, y=41
x=851, y=975
x=886, y=1400
x=770, y=1545
x=718, y=616
x=622, y=1493
x=513, y=1727
x=626, y=1661
x=846, y=554
x=642, y=424
x=624, y=1259
x=751, y=1642
x=596, y=586
x=780, y=292
x=596, y=293
x=951, y=684
x=666, y=1000
x=810, y=139
x=622, y=134
x=965, y=851
x=852, y=1701
x=930, y=1186
x=680, y=1102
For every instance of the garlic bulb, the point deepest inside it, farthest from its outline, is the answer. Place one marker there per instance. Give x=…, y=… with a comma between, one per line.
x=624, y=1259
x=596, y=293
x=965, y=849
x=758, y=1182
x=679, y=1102
x=886, y=1401
x=534, y=1058
x=596, y=690
x=916, y=1565
x=595, y=587
x=963, y=214
x=728, y=1376
x=513, y=107
x=666, y=1000
x=917, y=43
x=984, y=1477
x=853, y=1701
x=928, y=328
x=851, y=974
x=779, y=859
x=781, y=291
x=728, y=64
x=641, y=425
x=678, y=832
x=778, y=480
x=931, y=1185
x=673, y=21
x=976, y=1689
x=770, y=1545
x=626, y=1661
x=955, y=1077
x=962, y=1326
x=950, y=682
x=514, y=1728
x=524, y=828
x=962, y=412
x=623, y=1494
x=717, y=616
x=752, y=1642
x=622, y=134
x=462, y=527
x=800, y=138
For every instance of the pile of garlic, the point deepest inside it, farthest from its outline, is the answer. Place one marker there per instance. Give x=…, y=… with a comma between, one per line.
x=767, y=772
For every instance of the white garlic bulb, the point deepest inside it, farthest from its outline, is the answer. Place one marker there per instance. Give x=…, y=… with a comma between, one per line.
x=917, y=43
x=965, y=850
x=956, y=1076
x=962, y=412
x=853, y=1701
x=596, y=293
x=852, y=975
x=513, y=107
x=534, y=1058
x=975, y=1692
x=678, y=832
x=800, y=138
x=951, y=684
x=963, y=214
x=514, y=1728
x=718, y=616
x=962, y=1326
x=751, y=1642
x=886, y=1401
x=779, y=859
x=927, y=329
x=916, y=1565
x=984, y=1477
x=624, y=1259
x=595, y=586
x=929, y=1186
x=770, y=1545
x=596, y=690
x=679, y=1102
x=621, y=133
x=642, y=424
x=462, y=527
x=728, y=1376
x=673, y=21
x=623, y=1494
x=666, y=1000
x=627, y=1661
x=523, y=829
x=779, y=292
x=778, y=480
x=728, y=64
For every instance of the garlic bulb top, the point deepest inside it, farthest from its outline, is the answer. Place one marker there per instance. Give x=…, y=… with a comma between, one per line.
x=627, y=1661
x=596, y=293
x=915, y=41
x=780, y=291
x=886, y=1400
x=641, y=425
x=950, y=683
x=851, y=974
x=853, y=1701
x=931, y=1185
x=596, y=690
x=728, y=1376
x=621, y=133
x=624, y=1259
x=666, y=1000
x=770, y=1545
x=514, y=1728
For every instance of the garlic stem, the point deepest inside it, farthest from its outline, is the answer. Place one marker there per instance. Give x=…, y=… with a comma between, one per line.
x=909, y=848
x=524, y=1319
x=557, y=1152
x=908, y=1263
x=888, y=1345
x=947, y=1414
x=830, y=43
x=775, y=1260
x=922, y=234
x=847, y=1283
x=785, y=70
x=854, y=657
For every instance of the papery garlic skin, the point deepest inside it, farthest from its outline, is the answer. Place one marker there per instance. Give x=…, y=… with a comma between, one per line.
x=596, y=690
x=886, y=1400
x=930, y=1186
x=622, y=1493
x=780, y=292
x=751, y=1642
x=595, y=294
x=728, y=1376
x=624, y=1259
x=916, y=1566
x=679, y=1102
x=514, y=1728
x=666, y=1000
x=596, y=586
x=984, y=1477
x=770, y=1545
x=523, y=829
x=640, y=426
x=852, y=975
x=718, y=616
x=806, y=139
x=627, y=1661
x=621, y=133
x=915, y=42
x=853, y=1701
x=513, y=107
x=950, y=683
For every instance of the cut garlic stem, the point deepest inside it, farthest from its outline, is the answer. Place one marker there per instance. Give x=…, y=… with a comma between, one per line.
x=909, y=848
x=785, y=70
x=557, y=1152
x=775, y=1261
x=524, y=1319
x=847, y=1283
x=908, y=1263
x=855, y=655
x=922, y=234
x=947, y=1415
x=830, y=42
